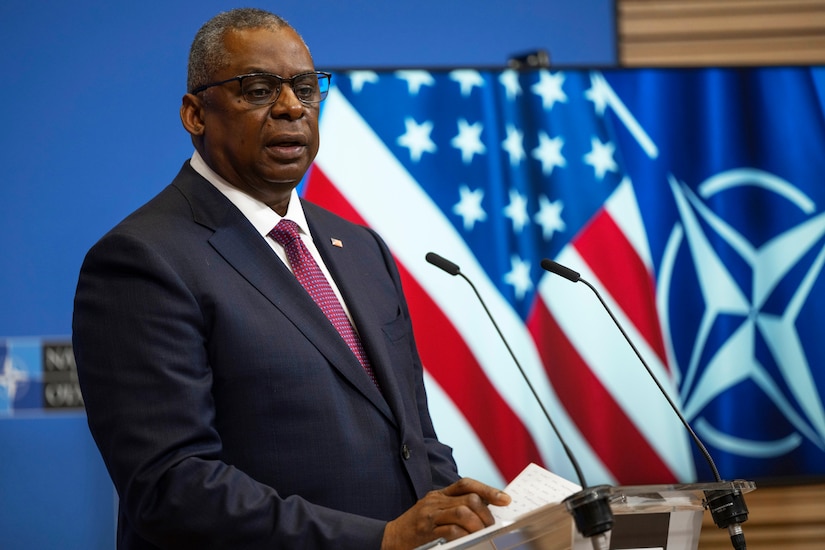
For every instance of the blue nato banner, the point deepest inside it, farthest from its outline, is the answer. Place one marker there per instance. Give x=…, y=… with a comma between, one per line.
x=693, y=200
x=732, y=192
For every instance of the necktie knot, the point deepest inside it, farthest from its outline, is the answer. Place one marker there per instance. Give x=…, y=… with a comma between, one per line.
x=285, y=232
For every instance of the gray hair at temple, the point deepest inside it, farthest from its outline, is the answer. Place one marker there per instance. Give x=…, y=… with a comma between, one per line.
x=208, y=53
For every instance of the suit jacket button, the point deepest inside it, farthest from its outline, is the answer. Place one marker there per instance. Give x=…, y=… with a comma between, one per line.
x=405, y=452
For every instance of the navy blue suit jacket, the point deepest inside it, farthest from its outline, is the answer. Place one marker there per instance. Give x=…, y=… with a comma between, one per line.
x=228, y=410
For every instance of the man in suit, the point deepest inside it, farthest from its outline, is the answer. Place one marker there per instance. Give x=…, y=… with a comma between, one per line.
x=230, y=411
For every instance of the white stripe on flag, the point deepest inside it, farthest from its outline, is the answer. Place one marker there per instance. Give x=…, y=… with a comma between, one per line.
x=624, y=210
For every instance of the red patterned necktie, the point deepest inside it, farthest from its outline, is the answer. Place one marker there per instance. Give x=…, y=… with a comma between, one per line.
x=308, y=273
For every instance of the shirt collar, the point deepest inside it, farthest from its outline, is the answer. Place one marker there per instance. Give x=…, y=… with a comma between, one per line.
x=261, y=216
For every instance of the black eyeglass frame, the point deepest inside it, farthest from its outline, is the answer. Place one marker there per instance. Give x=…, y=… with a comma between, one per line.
x=321, y=75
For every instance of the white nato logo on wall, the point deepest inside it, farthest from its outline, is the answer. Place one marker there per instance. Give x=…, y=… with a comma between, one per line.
x=714, y=368
x=14, y=381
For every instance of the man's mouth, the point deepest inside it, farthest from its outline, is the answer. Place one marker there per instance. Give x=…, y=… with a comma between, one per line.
x=287, y=141
x=286, y=147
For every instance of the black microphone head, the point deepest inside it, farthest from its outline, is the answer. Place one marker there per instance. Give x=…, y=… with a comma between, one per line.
x=442, y=263
x=558, y=269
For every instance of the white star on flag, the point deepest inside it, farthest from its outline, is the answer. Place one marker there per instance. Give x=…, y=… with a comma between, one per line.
x=509, y=79
x=513, y=144
x=417, y=138
x=516, y=210
x=467, y=80
x=469, y=206
x=468, y=140
x=548, y=153
x=549, y=217
x=359, y=78
x=549, y=88
x=519, y=276
x=416, y=79
x=600, y=157
x=599, y=94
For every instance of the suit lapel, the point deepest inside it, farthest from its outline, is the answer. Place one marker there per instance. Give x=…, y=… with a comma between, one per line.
x=344, y=268
x=242, y=246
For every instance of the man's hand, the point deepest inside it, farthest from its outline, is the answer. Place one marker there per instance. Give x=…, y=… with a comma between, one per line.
x=451, y=513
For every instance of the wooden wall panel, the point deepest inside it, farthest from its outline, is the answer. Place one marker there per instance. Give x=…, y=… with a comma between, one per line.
x=720, y=32
x=787, y=518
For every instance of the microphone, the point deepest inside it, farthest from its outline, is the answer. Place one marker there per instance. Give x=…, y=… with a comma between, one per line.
x=590, y=507
x=727, y=507
x=446, y=265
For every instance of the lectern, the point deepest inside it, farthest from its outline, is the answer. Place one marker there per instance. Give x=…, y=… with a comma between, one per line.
x=667, y=517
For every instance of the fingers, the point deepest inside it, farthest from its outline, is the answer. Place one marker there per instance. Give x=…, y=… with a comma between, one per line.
x=469, y=499
x=451, y=513
x=465, y=510
x=490, y=495
x=466, y=514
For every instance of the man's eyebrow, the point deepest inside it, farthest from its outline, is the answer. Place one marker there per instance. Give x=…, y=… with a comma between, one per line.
x=257, y=70
x=252, y=70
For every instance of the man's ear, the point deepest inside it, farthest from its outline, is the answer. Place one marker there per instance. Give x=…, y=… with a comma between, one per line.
x=191, y=114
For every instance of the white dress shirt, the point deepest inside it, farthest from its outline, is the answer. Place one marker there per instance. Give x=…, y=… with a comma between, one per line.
x=264, y=219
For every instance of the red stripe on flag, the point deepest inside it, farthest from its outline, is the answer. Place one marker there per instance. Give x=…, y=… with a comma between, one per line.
x=623, y=273
x=612, y=435
x=319, y=190
x=456, y=370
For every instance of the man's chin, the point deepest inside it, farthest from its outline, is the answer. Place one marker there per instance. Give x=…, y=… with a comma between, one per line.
x=290, y=174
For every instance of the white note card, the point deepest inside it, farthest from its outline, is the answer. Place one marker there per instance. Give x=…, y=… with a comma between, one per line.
x=533, y=488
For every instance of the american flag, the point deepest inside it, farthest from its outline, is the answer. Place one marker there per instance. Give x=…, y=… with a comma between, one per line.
x=496, y=170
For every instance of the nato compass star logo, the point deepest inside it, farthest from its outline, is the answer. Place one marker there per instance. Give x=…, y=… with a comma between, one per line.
x=13, y=381
x=750, y=292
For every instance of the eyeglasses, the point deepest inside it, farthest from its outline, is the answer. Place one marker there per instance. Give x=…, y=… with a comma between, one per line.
x=265, y=88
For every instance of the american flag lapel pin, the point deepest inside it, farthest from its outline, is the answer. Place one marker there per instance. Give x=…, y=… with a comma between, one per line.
x=336, y=242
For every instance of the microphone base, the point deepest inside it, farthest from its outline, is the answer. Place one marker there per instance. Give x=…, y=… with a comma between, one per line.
x=728, y=510
x=591, y=511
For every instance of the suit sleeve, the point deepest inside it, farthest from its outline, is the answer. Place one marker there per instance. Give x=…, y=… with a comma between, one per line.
x=140, y=343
